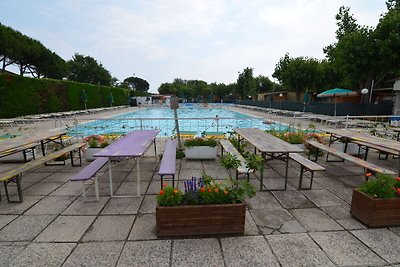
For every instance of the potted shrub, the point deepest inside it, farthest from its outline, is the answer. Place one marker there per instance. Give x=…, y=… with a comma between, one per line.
x=201, y=148
x=206, y=207
x=377, y=202
x=95, y=144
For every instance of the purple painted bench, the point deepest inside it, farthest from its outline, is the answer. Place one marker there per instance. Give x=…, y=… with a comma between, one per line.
x=88, y=172
x=167, y=166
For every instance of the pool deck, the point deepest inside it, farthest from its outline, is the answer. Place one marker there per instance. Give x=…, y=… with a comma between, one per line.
x=54, y=227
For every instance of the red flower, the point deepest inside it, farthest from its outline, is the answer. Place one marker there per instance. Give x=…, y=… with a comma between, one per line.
x=164, y=185
x=216, y=189
x=368, y=174
x=398, y=178
x=202, y=190
x=161, y=192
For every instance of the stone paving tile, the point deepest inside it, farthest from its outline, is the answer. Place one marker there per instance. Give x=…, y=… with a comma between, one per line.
x=351, y=224
x=104, y=189
x=343, y=193
x=298, y=250
x=217, y=172
x=117, y=176
x=149, y=204
x=155, y=186
x=44, y=254
x=130, y=188
x=68, y=189
x=250, y=227
x=144, y=227
x=58, y=178
x=192, y=252
x=338, y=212
x=51, y=205
x=145, y=176
x=352, y=180
x=395, y=230
x=8, y=253
x=276, y=184
x=146, y=253
x=293, y=199
x=384, y=242
x=345, y=250
x=109, y=228
x=263, y=200
x=33, y=178
x=95, y=254
x=41, y=189
x=81, y=207
x=51, y=169
x=122, y=206
x=6, y=219
x=19, y=208
x=315, y=220
x=247, y=251
x=323, y=198
x=25, y=228
x=187, y=174
x=276, y=221
x=193, y=164
x=330, y=182
x=148, y=163
x=66, y=229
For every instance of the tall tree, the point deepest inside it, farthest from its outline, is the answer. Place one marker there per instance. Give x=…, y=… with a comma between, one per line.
x=136, y=84
x=86, y=69
x=246, y=84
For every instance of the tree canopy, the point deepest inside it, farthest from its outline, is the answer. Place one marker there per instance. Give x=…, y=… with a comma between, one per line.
x=87, y=70
x=136, y=83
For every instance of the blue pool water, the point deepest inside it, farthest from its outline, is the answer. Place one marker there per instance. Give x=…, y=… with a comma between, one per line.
x=194, y=120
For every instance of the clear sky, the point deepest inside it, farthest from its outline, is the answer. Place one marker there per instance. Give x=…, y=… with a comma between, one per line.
x=159, y=40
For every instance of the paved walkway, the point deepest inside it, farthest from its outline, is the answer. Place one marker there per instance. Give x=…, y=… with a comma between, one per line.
x=54, y=227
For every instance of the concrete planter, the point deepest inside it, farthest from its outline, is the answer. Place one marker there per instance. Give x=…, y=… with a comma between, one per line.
x=191, y=220
x=201, y=152
x=90, y=151
x=375, y=212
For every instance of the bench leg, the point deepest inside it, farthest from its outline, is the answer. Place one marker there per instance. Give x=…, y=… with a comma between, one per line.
x=302, y=171
x=17, y=180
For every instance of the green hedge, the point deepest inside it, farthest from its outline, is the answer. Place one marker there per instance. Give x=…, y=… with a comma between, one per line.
x=23, y=96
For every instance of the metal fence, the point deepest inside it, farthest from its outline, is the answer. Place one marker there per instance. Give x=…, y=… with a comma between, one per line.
x=342, y=109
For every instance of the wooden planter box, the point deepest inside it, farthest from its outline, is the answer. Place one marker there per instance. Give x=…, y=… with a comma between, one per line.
x=375, y=212
x=200, y=219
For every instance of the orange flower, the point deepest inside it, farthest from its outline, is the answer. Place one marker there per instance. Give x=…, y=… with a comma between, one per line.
x=161, y=192
x=202, y=190
x=176, y=191
x=209, y=190
x=226, y=192
x=368, y=174
x=216, y=189
x=398, y=178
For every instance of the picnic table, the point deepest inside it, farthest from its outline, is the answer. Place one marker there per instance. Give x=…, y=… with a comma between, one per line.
x=24, y=142
x=348, y=136
x=132, y=145
x=268, y=145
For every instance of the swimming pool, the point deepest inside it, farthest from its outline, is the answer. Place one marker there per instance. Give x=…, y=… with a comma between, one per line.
x=194, y=120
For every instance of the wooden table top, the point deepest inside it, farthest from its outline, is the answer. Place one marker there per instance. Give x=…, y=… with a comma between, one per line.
x=19, y=141
x=366, y=138
x=133, y=144
x=265, y=142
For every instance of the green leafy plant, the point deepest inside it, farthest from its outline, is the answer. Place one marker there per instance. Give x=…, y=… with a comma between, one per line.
x=255, y=162
x=384, y=186
x=229, y=161
x=169, y=196
x=309, y=148
x=206, y=190
x=180, y=154
x=200, y=142
x=292, y=137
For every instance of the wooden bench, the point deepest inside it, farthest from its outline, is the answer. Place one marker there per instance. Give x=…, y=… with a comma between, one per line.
x=167, y=166
x=15, y=175
x=24, y=149
x=369, y=167
x=88, y=172
x=242, y=169
x=382, y=150
x=306, y=166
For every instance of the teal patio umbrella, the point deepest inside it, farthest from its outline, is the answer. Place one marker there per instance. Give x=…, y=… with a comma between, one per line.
x=335, y=93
